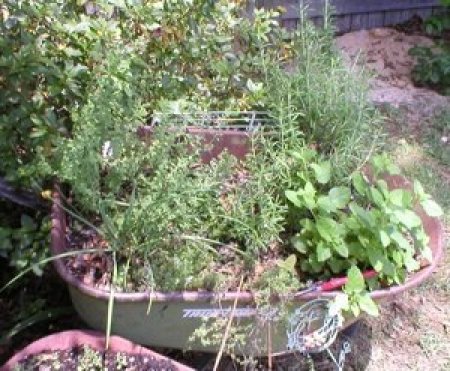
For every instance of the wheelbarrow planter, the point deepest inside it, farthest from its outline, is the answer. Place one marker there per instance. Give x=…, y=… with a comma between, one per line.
x=74, y=339
x=175, y=315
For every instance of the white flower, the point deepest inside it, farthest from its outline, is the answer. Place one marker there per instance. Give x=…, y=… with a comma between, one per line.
x=107, y=151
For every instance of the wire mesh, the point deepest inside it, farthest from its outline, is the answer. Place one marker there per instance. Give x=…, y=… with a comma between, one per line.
x=312, y=328
x=248, y=121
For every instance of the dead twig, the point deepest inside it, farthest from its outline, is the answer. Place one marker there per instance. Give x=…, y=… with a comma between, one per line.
x=228, y=328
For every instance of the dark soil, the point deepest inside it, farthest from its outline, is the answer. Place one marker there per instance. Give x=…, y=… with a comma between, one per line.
x=95, y=269
x=85, y=358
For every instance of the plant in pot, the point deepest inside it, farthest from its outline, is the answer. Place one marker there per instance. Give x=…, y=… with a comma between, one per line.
x=88, y=350
x=161, y=239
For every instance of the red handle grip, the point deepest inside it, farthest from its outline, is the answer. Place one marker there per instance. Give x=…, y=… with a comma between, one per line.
x=336, y=283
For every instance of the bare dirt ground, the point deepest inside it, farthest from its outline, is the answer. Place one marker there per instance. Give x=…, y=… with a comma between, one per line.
x=413, y=331
x=383, y=52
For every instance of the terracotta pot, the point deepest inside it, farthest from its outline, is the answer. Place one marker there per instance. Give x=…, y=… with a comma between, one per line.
x=175, y=315
x=75, y=338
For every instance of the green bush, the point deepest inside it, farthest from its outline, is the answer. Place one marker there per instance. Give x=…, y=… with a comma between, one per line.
x=24, y=239
x=48, y=50
x=201, y=51
x=432, y=68
x=433, y=64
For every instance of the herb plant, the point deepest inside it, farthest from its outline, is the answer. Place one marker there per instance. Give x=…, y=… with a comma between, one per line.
x=327, y=101
x=155, y=200
x=345, y=228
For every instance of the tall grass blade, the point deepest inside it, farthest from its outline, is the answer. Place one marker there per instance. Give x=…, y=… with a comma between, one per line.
x=111, y=302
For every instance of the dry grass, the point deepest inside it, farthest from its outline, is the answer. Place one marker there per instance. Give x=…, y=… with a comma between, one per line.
x=413, y=331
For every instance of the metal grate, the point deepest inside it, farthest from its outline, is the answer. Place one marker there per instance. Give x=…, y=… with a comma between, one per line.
x=248, y=121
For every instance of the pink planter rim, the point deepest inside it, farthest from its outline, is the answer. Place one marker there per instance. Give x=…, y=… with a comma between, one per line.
x=74, y=338
x=433, y=228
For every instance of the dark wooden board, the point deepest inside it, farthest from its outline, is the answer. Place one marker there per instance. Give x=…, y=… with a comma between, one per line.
x=342, y=7
x=353, y=15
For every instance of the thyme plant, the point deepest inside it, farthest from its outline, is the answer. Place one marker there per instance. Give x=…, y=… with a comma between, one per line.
x=165, y=213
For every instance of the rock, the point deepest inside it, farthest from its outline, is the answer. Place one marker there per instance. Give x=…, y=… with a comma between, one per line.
x=381, y=32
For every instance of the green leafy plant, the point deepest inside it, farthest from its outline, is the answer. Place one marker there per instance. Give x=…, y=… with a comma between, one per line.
x=432, y=68
x=433, y=64
x=202, y=51
x=358, y=299
x=437, y=24
x=25, y=246
x=366, y=226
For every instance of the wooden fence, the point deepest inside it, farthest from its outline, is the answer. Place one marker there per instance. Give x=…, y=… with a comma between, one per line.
x=351, y=15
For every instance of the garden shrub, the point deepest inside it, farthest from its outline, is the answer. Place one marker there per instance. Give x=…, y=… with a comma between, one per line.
x=433, y=64
x=200, y=51
x=433, y=68
x=48, y=50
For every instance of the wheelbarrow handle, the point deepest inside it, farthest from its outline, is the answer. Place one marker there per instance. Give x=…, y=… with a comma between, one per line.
x=336, y=283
